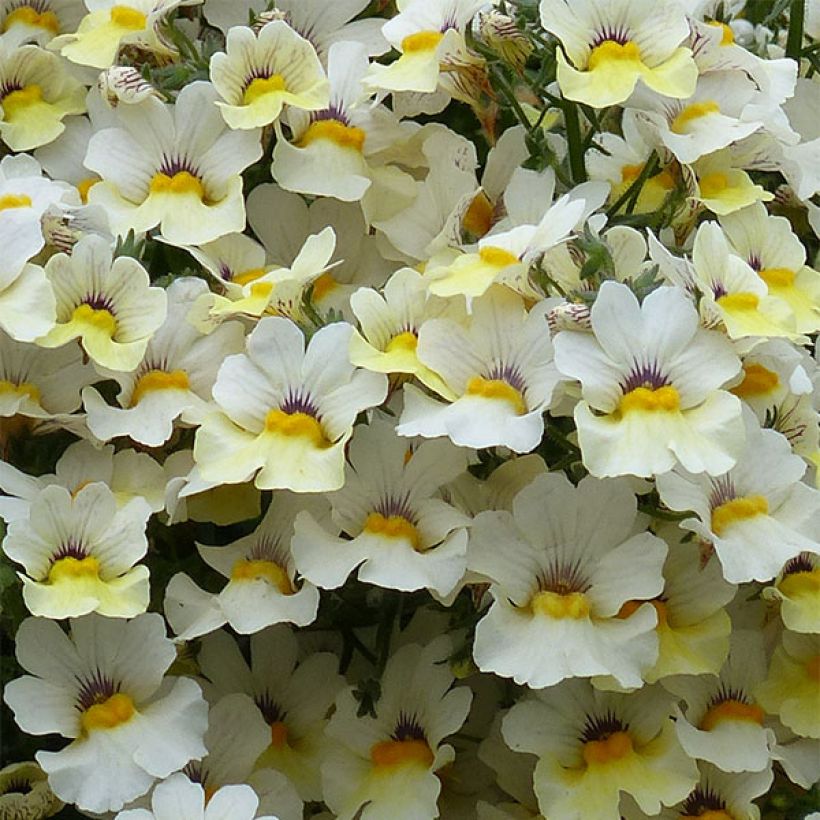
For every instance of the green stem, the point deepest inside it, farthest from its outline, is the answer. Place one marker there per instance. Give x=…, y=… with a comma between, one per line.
x=794, y=42
x=575, y=142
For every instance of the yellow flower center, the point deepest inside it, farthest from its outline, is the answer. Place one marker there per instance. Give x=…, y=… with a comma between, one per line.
x=777, y=277
x=739, y=301
x=600, y=752
x=757, y=381
x=70, y=567
x=18, y=101
x=609, y=51
x=813, y=668
x=180, y=183
x=630, y=607
x=560, y=605
x=246, y=276
x=738, y=509
x=29, y=16
x=324, y=285
x=691, y=112
x=126, y=17
x=260, y=86
x=731, y=710
x=709, y=814
x=712, y=185
x=646, y=399
x=478, y=218
x=800, y=584
x=296, y=425
x=261, y=570
x=390, y=753
x=728, y=36
x=497, y=257
x=421, y=41
x=158, y=380
x=278, y=734
x=345, y=136
x=14, y=201
x=24, y=388
x=85, y=185
x=393, y=526
x=97, y=318
x=497, y=389
x=109, y=714
x=407, y=341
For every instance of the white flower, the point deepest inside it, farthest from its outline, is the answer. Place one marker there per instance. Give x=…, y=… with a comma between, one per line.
x=398, y=531
x=287, y=413
x=651, y=384
x=102, y=686
x=562, y=567
x=797, y=588
x=25, y=23
x=177, y=167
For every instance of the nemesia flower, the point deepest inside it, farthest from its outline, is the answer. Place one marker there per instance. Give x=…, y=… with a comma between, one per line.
x=111, y=24
x=24, y=792
x=178, y=794
x=107, y=303
x=388, y=763
x=498, y=376
x=797, y=588
x=612, y=44
x=79, y=553
x=721, y=722
x=262, y=71
x=758, y=515
x=594, y=746
x=292, y=697
x=36, y=93
x=724, y=188
x=174, y=378
x=182, y=170
x=792, y=686
x=292, y=433
x=101, y=686
x=563, y=567
x=399, y=532
x=648, y=402
x=38, y=22
x=262, y=588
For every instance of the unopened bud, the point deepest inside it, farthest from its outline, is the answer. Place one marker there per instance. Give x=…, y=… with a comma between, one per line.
x=569, y=316
x=124, y=84
x=502, y=35
x=265, y=17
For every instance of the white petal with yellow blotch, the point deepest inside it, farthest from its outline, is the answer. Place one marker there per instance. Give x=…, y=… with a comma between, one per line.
x=103, y=686
x=649, y=402
x=107, y=303
x=286, y=412
x=797, y=588
x=79, y=553
x=758, y=515
x=182, y=171
x=563, y=566
x=500, y=370
x=261, y=72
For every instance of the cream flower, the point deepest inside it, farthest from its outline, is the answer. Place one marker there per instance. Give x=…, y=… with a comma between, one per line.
x=758, y=515
x=286, y=412
x=177, y=167
x=102, y=687
x=174, y=378
x=107, y=303
x=38, y=21
x=79, y=553
x=178, y=796
x=612, y=44
x=262, y=588
x=721, y=722
x=25, y=793
x=111, y=24
x=797, y=588
x=388, y=763
x=397, y=529
x=260, y=72
x=649, y=400
x=292, y=697
x=594, y=746
x=36, y=93
x=497, y=376
x=563, y=566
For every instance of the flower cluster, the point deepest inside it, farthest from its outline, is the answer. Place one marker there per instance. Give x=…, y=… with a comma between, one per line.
x=410, y=410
